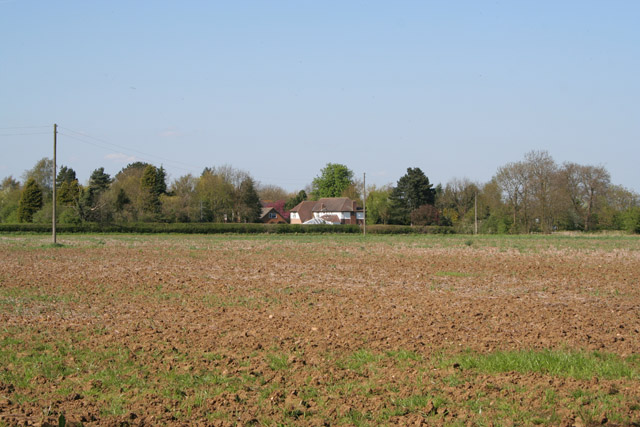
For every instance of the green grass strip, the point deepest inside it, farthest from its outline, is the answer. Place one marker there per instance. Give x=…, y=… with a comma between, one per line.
x=574, y=364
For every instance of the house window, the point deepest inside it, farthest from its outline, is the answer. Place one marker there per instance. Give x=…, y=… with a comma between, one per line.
x=273, y=215
x=294, y=215
x=347, y=215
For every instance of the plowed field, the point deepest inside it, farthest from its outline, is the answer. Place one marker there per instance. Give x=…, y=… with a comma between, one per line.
x=319, y=330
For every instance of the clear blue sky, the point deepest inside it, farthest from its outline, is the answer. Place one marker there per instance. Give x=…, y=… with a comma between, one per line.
x=280, y=88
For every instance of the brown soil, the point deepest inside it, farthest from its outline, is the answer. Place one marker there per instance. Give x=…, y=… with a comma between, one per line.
x=198, y=330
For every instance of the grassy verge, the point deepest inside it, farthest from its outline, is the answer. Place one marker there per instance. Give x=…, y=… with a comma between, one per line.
x=523, y=244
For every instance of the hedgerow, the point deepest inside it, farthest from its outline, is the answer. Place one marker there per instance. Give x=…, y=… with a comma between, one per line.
x=219, y=228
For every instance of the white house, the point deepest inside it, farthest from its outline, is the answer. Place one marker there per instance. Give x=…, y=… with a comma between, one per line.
x=336, y=210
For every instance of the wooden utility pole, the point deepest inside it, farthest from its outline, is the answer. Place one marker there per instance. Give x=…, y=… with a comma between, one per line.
x=53, y=218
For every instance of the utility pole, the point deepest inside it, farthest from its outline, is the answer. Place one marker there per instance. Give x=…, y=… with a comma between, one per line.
x=364, y=204
x=53, y=219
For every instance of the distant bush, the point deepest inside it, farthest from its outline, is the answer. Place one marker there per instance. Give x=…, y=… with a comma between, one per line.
x=218, y=228
x=630, y=220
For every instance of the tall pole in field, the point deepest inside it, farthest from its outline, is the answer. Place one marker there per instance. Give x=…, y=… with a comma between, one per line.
x=53, y=217
x=364, y=204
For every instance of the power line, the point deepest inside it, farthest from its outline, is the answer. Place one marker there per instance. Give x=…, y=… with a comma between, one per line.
x=23, y=127
x=85, y=135
x=141, y=155
x=292, y=180
x=25, y=133
x=81, y=137
x=170, y=162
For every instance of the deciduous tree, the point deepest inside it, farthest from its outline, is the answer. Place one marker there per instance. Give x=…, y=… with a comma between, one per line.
x=334, y=179
x=353, y=191
x=272, y=193
x=9, y=198
x=457, y=199
x=215, y=195
x=513, y=181
x=425, y=215
x=542, y=174
x=586, y=187
x=180, y=204
x=378, y=204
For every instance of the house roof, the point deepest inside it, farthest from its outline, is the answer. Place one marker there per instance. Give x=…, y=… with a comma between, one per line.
x=304, y=210
x=328, y=204
x=335, y=204
x=265, y=212
x=317, y=221
x=331, y=218
x=278, y=205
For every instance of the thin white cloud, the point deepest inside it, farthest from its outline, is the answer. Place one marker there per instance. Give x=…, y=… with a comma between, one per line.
x=169, y=133
x=120, y=158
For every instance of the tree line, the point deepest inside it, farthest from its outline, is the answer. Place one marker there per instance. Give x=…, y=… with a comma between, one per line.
x=532, y=195
x=138, y=193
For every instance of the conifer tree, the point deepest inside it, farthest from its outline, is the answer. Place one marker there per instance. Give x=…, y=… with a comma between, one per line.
x=250, y=206
x=65, y=174
x=30, y=201
x=412, y=191
x=149, y=186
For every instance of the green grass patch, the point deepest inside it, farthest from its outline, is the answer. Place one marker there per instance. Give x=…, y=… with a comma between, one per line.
x=278, y=361
x=359, y=360
x=18, y=296
x=356, y=418
x=426, y=404
x=404, y=355
x=52, y=245
x=574, y=364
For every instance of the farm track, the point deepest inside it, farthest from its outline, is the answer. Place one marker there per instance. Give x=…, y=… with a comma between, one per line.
x=310, y=332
